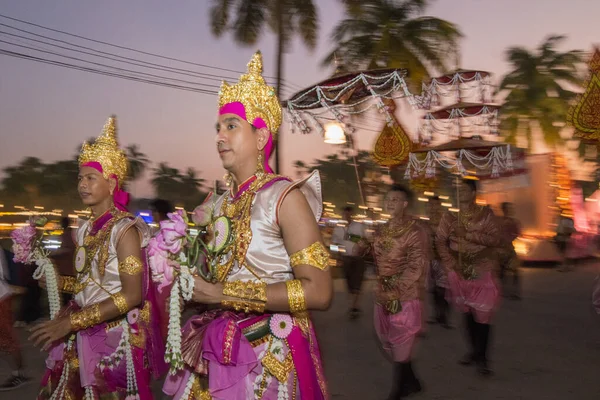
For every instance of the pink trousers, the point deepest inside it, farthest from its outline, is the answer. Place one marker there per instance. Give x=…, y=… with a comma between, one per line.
x=397, y=332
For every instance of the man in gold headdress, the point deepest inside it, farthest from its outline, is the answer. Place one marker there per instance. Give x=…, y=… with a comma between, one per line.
x=258, y=341
x=101, y=343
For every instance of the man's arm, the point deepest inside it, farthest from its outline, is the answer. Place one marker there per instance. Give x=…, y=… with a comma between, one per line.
x=442, y=242
x=489, y=234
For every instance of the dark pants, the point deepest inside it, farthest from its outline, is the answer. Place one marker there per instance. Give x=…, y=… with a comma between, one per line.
x=509, y=265
x=479, y=337
x=31, y=308
x=354, y=272
x=441, y=305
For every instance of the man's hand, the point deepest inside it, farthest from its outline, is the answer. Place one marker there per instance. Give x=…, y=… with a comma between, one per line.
x=46, y=333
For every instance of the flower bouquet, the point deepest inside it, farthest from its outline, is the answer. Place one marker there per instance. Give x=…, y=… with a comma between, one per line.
x=28, y=249
x=175, y=256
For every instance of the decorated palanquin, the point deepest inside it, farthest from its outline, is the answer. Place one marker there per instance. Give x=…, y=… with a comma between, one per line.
x=584, y=116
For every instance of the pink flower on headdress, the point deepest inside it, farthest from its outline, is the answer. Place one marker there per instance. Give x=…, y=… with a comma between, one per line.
x=203, y=213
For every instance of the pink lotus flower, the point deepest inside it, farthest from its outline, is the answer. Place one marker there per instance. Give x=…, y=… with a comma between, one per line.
x=203, y=213
x=22, y=243
x=161, y=270
x=156, y=246
x=173, y=231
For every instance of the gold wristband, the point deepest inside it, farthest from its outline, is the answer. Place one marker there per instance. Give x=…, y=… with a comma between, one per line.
x=120, y=302
x=131, y=265
x=315, y=255
x=85, y=318
x=295, y=294
x=256, y=291
x=245, y=306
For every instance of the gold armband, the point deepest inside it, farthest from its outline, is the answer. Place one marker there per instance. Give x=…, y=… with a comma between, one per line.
x=85, y=318
x=295, y=294
x=255, y=291
x=120, y=302
x=131, y=265
x=246, y=306
x=315, y=255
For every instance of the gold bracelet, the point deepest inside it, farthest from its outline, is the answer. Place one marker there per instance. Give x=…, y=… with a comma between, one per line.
x=256, y=291
x=315, y=255
x=131, y=265
x=120, y=302
x=85, y=318
x=246, y=306
x=295, y=294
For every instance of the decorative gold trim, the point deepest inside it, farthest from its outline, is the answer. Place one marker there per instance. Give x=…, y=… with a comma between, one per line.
x=246, y=306
x=315, y=255
x=295, y=294
x=256, y=291
x=131, y=265
x=280, y=370
x=120, y=302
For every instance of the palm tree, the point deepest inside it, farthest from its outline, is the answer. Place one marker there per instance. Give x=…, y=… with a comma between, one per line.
x=284, y=17
x=537, y=90
x=167, y=182
x=138, y=161
x=394, y=34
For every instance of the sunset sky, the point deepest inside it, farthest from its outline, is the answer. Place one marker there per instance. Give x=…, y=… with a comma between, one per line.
x=45, y=111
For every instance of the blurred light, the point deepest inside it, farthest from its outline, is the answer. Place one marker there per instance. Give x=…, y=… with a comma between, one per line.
x=144, y=214
x=363, y=207
x=481, y=202
x=424, y=218
x=334, y=134
x=377, y=209
x=471, y=177
x=592, y=200
x=430, y=194
x=444, y=197
x=446, y=204
x=454, y=210
x=386, y=215
x=19, y=207
x=423, y=199
x=73, y=216
x=179, y=208
x=1, y=205
x=38, y=207
x=521, y=248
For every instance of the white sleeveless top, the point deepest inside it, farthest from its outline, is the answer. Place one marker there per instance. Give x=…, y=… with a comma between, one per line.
x=110, y=282
x=266, y=255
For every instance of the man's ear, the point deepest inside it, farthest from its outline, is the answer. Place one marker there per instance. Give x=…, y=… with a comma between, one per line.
x=263, y=138
x=112, y=184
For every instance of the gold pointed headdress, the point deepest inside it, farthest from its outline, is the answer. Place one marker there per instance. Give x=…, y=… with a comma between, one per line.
x=105, y=151
x=259, y=99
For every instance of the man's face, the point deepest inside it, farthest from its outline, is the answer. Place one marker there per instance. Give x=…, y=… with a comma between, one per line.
x=434, y=206
x=347, y=215
x=465, y=193
x=236, y=141
x=93, y=188
x=395, y=203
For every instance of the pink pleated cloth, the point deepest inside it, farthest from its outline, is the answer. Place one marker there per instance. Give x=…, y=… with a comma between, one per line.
x=397, y=332
x=480, y=296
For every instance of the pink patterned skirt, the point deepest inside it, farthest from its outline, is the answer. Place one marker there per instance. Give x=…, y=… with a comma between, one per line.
x=397, y=332
x=231, y=356
x=480, y=296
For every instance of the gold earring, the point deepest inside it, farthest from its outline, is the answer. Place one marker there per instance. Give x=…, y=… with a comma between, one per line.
x=260, y=167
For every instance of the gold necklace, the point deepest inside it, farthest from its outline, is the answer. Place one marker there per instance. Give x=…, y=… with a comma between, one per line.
x=238, y=210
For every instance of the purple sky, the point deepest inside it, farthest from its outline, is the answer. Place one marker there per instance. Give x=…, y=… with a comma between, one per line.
x=45, y=111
